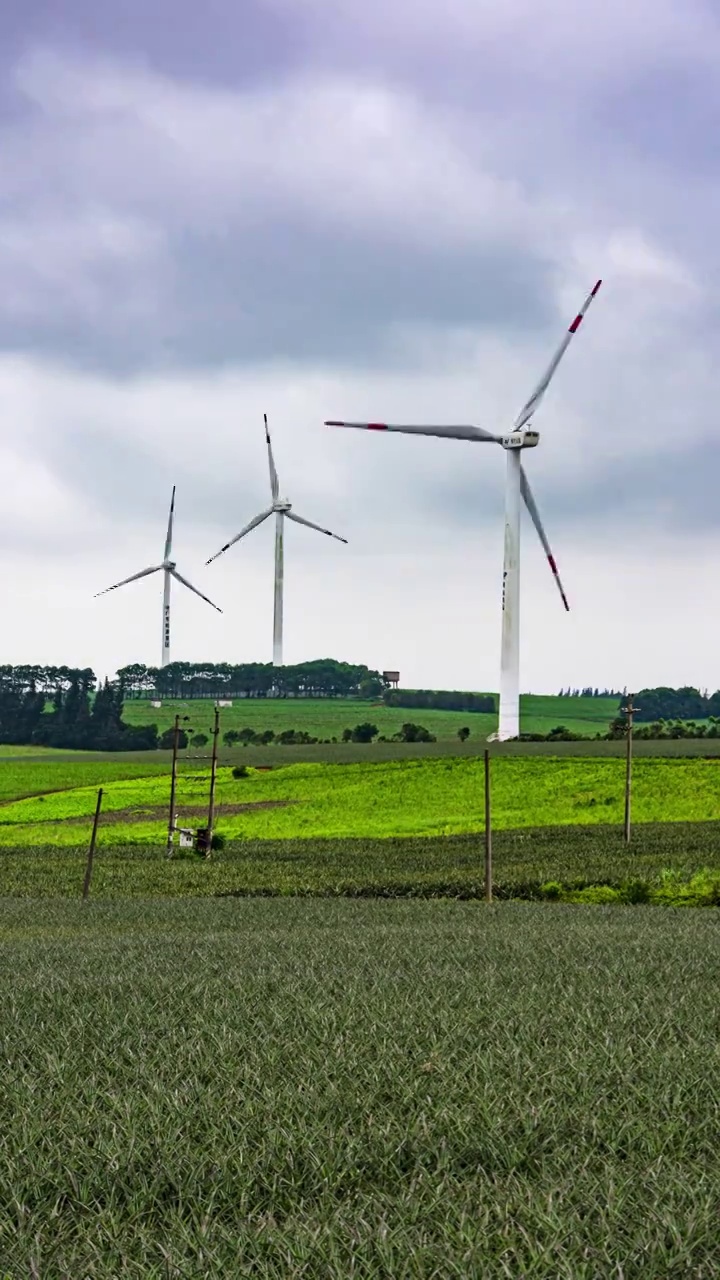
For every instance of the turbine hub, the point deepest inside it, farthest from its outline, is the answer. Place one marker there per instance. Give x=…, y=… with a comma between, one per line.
x=169, y=564
x=282, y=506
x=520, y=440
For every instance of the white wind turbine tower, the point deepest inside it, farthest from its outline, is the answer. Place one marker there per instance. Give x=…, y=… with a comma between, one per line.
x=281, y=509
x=517, y=487
x=169, y=570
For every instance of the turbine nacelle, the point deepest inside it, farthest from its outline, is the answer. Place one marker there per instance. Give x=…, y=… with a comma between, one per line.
x=281, y=506
x=520, y=440
x=169, y=565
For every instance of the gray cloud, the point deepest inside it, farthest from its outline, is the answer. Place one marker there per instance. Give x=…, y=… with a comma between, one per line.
x=336, y=210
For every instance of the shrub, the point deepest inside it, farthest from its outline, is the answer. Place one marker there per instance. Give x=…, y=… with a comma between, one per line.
x=240, y=771
x=414, y=733
x=364, y=732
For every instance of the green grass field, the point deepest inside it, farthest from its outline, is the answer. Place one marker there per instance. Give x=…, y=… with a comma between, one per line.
x=373, y=800
x=31, y=774
x=673, y=864
x=327, y=717
x=384, y=1091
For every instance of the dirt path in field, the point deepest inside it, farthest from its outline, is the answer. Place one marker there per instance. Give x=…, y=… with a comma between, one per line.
x=156, y=812
x=152, y=813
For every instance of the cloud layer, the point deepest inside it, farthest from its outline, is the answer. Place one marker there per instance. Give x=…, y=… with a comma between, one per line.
x=353, y=213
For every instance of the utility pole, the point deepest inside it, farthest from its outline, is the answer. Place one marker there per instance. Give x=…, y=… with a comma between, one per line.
x=488, y=832
x=173, y=782
x=91, y=850
x=629, y=711
x=213, y=774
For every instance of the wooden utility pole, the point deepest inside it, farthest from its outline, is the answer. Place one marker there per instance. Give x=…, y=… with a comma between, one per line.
x=91, y=850
x=173, y=781
x=488, y=832
x=629, y=711
x=213, y=775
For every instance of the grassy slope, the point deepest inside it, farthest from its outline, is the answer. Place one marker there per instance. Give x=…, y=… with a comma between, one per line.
x=410, y=798
x=286, y=1089
x=326, y=718
x=34, y=775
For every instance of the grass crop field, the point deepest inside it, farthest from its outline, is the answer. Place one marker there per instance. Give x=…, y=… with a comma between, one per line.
x=327, y=717
x=373, y=800
x=674, y=864
x=35, y=774
x=282, y=1089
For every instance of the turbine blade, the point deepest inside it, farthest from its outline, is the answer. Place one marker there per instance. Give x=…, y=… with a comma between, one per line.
x=252, y=525
x=454, y=433
x=529, y=408
x=168, y=539
x=309, y=525
x=531, y=505
x=274, y=484
x=190, y=587
x=133, y=578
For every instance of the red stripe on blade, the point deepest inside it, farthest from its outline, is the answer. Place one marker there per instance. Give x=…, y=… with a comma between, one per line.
x=576, y=324
x=377, y=426
x=552, y=564
x=595, y=289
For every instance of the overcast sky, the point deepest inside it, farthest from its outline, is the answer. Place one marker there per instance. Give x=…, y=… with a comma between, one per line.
x=327, y=208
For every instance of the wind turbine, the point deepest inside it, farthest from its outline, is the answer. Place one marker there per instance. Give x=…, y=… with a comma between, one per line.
x=169, y=570
x=281, y=509
x=517, y=487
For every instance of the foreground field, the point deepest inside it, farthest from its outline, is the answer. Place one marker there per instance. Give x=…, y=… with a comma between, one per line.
x=409, y=798
x=669, y=863
x=327, y=717
x=297, y=1089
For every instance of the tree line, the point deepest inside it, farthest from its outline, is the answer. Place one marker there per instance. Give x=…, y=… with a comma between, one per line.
x=589, y=692
x=321, y=678
x=81, y=717
x=440, y=700
x=676, y=704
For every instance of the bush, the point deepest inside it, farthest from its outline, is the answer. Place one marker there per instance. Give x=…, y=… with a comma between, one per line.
x=168, y=737
x=199, y=740
x=240, y=771
x=364, y=732
x=218, y=841
x=414, y=733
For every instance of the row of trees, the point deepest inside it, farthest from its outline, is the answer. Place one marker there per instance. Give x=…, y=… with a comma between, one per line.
x=79, y=717
x=589, y=692
x=322, y=678
x=47, y=680
x=439, y=700
x=658, y=729
x=676, y=704
x=365, y=732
